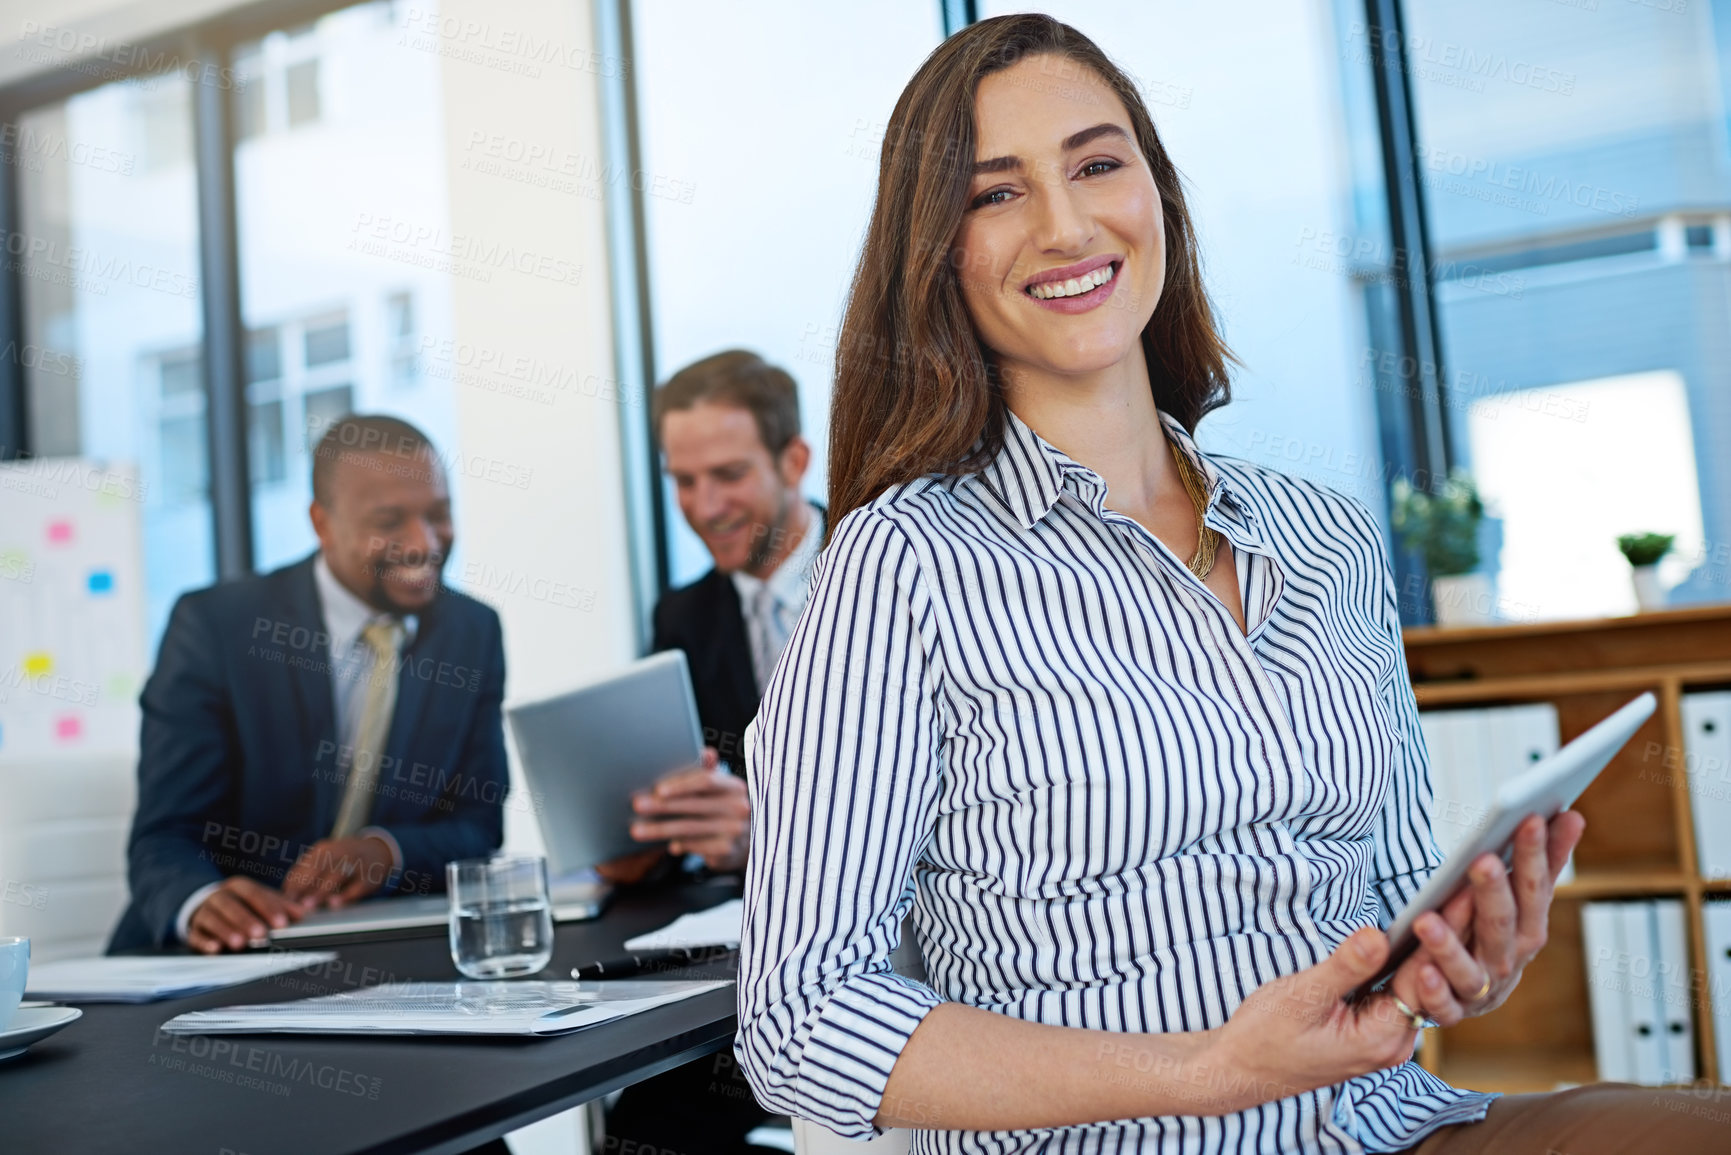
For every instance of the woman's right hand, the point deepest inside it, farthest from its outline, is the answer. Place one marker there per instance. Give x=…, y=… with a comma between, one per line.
x=1296, y=1034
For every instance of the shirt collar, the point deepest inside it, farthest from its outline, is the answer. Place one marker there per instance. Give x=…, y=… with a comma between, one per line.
x=1030, y=474
x=789, y=582
x=346, y=615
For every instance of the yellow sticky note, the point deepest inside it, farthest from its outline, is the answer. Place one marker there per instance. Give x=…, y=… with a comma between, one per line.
x=37, y=664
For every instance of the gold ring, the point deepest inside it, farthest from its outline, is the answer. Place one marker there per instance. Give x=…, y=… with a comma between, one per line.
x=1412, y=1016
x=1483, y=991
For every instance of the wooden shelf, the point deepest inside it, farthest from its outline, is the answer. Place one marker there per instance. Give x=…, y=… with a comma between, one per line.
x=1682, y=616
x=1517, y=1070
x=1667, y=638
x=1589, y=884
x=1545, y=686
x=1640, y=837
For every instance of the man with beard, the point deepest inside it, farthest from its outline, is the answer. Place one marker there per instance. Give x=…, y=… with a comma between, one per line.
x=729, y=432
x=327, y=731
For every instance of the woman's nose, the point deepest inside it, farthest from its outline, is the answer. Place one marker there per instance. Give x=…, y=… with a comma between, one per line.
x=1062, y=223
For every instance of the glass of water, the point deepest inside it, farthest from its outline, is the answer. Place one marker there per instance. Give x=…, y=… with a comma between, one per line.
x=501, y=920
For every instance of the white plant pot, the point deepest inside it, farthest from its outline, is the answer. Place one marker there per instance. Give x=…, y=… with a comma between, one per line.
x=1466, y=599
x=1649, y=594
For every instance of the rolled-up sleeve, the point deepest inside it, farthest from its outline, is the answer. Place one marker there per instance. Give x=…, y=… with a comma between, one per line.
x=844, y=762
x=1406, y=853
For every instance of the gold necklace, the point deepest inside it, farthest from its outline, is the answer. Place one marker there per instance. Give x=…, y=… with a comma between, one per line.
x=1207, y=540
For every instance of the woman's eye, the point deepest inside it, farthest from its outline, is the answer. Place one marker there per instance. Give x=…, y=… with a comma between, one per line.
x=1095, y=167
x=995, y=196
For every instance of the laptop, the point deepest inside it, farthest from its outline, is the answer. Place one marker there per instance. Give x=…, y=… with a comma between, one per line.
x=575, y=899
x=584, y=753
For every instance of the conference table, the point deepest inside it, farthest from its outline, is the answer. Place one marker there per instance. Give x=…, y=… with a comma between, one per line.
x=111, y=1082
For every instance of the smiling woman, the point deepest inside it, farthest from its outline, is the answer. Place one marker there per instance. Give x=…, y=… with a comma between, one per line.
x=1125, y=726
x=939, y=252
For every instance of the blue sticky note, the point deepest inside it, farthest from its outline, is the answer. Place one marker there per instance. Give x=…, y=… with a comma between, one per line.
x=101, y=581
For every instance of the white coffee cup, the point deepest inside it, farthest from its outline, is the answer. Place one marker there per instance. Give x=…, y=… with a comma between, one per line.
x=14, y=970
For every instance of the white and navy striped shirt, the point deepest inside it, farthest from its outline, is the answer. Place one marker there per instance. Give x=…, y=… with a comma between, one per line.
x=1016, y=712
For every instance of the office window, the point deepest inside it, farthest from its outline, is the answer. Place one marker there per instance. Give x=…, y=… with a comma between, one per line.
x=817, y=83
x=266, y=459
x=301, y=81
x=165, y=128
x=263, y=355
x=332, y=262
x=1575, y=172
x=1529, y=445
x=250, y=114
x=184, y=463
x=400, y=339
x=279, y=83
x=327, y=342
x=110, y=302
x=324, y=407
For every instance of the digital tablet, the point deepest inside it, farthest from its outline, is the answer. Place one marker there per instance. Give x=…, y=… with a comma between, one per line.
x=1548, y=789
x=587, y=751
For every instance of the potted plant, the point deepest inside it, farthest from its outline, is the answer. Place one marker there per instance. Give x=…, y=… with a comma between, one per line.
x=1443, y=526
x=1644, y=551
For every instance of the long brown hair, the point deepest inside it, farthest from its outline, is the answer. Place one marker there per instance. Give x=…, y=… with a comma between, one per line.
x=914, y=388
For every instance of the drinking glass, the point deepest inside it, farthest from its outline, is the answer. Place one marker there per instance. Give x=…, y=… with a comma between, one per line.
x=501, y=920
x=14, y=971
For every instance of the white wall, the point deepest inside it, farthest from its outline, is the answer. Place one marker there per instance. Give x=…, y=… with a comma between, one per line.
x=551, y=557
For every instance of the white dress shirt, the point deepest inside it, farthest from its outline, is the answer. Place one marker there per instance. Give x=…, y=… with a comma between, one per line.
x=351, y=661
x=772, y=605
x=1013, y=711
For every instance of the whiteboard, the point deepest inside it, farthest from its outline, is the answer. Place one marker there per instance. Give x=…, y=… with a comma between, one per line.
x=72, y=632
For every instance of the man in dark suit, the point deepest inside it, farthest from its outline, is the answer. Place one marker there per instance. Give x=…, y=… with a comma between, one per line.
x=729, y=432
x=327, y=731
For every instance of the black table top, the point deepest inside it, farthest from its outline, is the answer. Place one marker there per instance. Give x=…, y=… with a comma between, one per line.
x=111, y=1083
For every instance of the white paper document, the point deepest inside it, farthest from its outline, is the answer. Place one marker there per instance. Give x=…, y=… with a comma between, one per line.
x=146, y=978
x=459, y=1008
x=717, y=926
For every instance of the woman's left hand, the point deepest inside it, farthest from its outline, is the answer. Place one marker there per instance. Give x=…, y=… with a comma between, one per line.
x=1476, y=947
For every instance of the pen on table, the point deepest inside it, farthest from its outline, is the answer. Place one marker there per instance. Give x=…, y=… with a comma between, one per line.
x=648, y=961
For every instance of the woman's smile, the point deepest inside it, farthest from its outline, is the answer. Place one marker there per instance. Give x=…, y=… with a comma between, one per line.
x=1076, y=288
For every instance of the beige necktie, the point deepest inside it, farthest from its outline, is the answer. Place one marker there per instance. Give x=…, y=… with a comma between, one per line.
x=384, y=637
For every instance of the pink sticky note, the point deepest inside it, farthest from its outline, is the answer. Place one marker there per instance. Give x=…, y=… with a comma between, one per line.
x=60, y=532
x=68, y=728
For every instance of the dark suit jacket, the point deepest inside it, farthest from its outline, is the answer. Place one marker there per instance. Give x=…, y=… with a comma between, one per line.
x=237, y=767
x=705, y=620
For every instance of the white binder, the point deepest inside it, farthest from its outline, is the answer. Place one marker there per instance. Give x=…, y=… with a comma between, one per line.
x=1472, y=752
x=1672, y=986
x=1448, y=801
x=1707, y=759
x=1717, y=917
x=1608, y=991
x=1639, y=991
x=1644, y=1024
x=1524, y=736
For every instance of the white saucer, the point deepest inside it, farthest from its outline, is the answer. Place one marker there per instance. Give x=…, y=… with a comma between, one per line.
x=32, y=1025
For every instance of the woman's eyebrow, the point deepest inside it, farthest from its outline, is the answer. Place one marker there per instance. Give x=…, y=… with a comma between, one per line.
x=1073, y=141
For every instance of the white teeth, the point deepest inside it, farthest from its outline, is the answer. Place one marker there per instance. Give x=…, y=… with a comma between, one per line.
x=1075, y=286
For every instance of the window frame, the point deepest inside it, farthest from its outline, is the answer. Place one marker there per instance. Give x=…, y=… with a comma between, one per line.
x=210, y=46
x=1411, y=420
